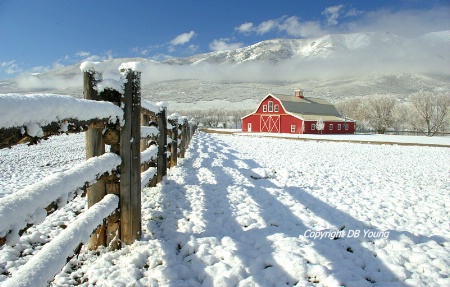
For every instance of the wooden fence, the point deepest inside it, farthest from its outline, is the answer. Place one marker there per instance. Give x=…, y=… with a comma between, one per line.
x=143, y=143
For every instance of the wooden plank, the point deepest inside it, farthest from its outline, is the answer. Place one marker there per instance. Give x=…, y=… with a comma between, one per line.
x=162, y=146
x=130, y=172
x=95, y=146
x=145, y=121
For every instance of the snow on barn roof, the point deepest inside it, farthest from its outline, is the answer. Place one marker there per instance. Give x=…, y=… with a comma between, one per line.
x=308, y=106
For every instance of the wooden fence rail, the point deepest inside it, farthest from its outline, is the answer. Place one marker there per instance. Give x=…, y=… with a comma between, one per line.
x=143, y=143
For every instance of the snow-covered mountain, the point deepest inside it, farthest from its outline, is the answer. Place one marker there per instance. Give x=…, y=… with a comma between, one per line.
x=335, y=45
x=334, y=66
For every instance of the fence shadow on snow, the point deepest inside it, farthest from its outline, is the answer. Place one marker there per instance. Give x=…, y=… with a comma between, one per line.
x=253, y=248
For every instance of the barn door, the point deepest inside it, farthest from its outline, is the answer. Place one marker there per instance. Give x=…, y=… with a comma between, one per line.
x=270, y=124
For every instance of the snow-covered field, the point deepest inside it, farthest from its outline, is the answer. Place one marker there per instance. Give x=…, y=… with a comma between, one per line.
x=359, y=138
x=251, y=211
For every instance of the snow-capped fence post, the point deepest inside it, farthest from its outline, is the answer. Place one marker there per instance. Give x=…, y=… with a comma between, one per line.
x=130, y=168
x=173, y=120
x=95, y=146
x=162, y=145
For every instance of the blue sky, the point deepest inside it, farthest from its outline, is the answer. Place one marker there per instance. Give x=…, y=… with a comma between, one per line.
x=36, y=36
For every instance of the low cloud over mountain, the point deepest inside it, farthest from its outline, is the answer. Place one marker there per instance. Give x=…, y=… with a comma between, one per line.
x=333, y=58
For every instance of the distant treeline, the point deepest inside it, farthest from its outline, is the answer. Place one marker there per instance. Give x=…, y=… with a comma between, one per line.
x=424, y=112
x=213, y=118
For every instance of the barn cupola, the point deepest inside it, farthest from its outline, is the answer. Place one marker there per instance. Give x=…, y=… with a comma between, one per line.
x=298, y=93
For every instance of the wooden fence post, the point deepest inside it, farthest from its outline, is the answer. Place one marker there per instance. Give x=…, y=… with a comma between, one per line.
x=183, y=138
x=130, y=169
x=188, y=131
x=173, y=120
x=95, y=146
x=162, y=145
x=186, y=142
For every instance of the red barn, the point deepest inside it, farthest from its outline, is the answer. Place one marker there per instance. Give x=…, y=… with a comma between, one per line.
x=297, y=115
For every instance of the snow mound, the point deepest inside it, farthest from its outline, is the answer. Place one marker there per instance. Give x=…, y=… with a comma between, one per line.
x=262, y=173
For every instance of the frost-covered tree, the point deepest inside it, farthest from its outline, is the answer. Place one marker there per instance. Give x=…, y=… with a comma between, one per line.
x=433, y=111
x=236, y=116
x=355, y=108
x=381, y=112
x=320, y=125
x=403, y=119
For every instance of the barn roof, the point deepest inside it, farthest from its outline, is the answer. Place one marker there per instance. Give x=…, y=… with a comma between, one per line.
x=308, y=106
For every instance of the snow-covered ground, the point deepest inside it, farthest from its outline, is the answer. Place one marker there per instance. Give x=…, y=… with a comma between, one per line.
x=252, y=211
x=364, y=138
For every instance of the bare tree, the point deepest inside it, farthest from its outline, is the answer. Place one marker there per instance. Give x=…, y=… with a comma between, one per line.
x=357, y=109
x=402, y=113
x=236, y=116
x=381, y=112
x=433, y=111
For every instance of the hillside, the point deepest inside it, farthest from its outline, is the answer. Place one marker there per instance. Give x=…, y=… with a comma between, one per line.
x=334, y=66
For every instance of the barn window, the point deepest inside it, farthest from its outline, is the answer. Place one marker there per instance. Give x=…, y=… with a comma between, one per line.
x=270, y=106
x=339, y=127
x=265, y=108
x=276, y=108
x=313, y=127
x=292, y=128
x=346, y=127
x=331, y=127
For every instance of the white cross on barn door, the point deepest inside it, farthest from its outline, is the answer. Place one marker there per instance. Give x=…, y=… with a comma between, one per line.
x=270, y=124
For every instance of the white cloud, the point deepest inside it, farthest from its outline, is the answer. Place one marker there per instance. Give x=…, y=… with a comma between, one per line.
x=10, y=67
x=267, y=26
x=161, y=57
x=144, y=51
x=182, y=38
x=40, y=69
x=36, y=82
x=140, y=51
x=353, y=12
x=332, y=13
x=292, y=26
x=408, y=23
x=223, y=44
x=245, y=28
x=87, y=56
x=82, y=54
x=193, y=47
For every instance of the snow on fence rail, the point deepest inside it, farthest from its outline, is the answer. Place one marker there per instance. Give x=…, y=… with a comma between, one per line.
x=42, y=267
x=27, y=206
x=143, y=142
x=26, y=118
